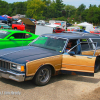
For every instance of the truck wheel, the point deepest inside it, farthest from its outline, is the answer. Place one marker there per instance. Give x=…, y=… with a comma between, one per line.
x=97, y=67
x=43, y=76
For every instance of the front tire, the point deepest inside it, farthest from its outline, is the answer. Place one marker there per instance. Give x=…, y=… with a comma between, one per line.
x=42, y=76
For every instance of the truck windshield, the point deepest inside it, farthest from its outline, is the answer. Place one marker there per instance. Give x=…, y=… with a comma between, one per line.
x=52, y=43
x=3, y=34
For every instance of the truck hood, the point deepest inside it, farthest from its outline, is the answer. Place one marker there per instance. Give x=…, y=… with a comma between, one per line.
x=24, y=54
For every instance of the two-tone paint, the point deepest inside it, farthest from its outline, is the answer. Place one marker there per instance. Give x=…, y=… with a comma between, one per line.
x=33, y=58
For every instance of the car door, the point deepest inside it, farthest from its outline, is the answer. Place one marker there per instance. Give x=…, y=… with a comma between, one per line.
x=82, y=64
x=19, y=39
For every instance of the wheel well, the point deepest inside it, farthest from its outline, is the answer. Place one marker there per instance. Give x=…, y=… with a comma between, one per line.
x=52, y=68
x=15, y=27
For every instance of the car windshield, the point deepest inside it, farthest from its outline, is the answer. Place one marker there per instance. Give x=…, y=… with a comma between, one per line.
x=52, y=43
x=3, y=34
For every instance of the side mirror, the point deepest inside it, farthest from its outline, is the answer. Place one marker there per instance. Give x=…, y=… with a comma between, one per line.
x=71, y=53
x=11, y=38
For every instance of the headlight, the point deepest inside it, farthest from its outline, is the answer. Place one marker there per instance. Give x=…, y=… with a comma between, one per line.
x=17, y=67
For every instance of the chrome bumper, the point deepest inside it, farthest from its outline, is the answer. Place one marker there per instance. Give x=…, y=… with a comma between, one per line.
x=12, y=75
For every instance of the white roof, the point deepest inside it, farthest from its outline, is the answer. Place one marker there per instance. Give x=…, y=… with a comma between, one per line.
x=52, y=25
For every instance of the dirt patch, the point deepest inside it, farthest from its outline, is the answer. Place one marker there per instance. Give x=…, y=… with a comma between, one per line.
x=95, y=95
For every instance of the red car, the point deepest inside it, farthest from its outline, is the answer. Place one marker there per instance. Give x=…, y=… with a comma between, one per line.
x=58, y=30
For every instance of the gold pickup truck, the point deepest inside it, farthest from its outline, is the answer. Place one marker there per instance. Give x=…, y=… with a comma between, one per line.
x=47, y=55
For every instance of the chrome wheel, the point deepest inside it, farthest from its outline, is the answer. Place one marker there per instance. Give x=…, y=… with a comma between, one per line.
x=43, y=76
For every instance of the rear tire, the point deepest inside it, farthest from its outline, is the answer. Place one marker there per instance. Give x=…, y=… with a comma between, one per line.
x=42, y=76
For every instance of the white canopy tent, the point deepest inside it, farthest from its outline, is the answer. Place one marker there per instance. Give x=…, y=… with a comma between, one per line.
x=52, y=25
x=88, y=27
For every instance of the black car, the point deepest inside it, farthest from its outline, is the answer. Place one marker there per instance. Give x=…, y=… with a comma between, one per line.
x=68, y=24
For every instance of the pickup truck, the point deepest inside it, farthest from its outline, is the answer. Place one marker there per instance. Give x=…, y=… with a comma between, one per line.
x=18, y=26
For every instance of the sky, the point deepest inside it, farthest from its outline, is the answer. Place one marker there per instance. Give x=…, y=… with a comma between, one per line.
x=75, y=3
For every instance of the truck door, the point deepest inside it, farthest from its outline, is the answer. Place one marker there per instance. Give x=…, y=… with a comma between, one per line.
x=73, y=63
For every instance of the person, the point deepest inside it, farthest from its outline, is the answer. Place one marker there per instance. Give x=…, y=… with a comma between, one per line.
x=69, y=46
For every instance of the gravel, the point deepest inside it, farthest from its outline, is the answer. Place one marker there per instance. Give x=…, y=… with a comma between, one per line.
x=61, y=87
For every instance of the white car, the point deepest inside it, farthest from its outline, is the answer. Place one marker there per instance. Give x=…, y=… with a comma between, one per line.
x=41, y=22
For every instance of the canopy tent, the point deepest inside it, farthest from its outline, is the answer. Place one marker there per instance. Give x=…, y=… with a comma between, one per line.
x=2, y=18
x=6, y=16
x=88, y=27
x=52, y=25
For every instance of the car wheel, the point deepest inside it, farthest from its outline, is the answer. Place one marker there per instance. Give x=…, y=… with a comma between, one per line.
x=15, y=28
x=43, y=76
x=97, y=67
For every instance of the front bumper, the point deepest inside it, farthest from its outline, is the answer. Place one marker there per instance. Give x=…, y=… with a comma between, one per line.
x=19, y=77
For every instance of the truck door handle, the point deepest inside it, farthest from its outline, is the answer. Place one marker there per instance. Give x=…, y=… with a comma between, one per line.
x=89, y=57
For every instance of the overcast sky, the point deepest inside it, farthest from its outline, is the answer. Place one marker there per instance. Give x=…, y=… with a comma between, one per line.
x=75, y=3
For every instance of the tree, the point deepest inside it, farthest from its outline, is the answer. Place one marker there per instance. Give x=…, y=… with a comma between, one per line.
x=20, y=7
x=50, y=10
x=79, y=12
x=59, y=8
x=93, y=15
x=3, y=7
x=70, y=10
x=84, y=15
x=35, y=8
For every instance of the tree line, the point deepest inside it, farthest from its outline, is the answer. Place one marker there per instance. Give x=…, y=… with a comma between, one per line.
x=52, y=9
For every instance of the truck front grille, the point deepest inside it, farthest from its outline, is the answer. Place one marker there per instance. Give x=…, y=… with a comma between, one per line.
x=4, y=64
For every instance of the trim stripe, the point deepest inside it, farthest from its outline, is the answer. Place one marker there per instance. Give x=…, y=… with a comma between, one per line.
x=76, y=70
x=76, y=65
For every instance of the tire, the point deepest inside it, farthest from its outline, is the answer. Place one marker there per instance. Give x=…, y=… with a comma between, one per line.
x=97, y=67
x=15, y=28
x=42, y=76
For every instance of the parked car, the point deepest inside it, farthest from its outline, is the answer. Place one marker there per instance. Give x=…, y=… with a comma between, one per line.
x=40, y=22
x=58, y=30
x=4, y=26
x=8, y=21
x=33, y=20
x=68, y=24
x=47, y=56
x=80, y=30
x=14, y=38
